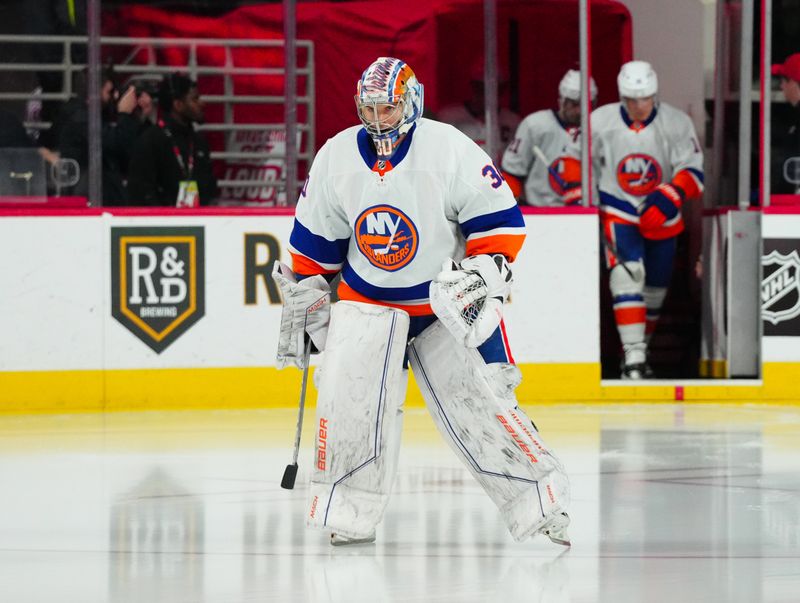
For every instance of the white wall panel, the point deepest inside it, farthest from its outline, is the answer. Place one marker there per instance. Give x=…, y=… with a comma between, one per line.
x=555, y=311
x=51, y=293
x=55, y=300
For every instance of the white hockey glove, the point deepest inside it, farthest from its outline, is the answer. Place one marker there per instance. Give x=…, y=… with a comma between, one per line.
x=469, y=298
x=306, y=312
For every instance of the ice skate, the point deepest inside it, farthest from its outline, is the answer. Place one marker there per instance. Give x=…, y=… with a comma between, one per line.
x=634, y=372
x=634, y=365
x=339, y=540
x=556, y=529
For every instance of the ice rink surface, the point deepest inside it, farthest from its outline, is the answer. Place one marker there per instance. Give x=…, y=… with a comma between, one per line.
x=670, y=503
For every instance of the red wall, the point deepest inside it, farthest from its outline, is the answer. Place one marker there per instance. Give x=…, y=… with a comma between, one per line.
x=441, y=39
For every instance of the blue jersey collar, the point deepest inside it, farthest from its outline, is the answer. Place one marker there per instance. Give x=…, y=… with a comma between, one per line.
x=629, y=122
x=562, y=123
x=370, y=157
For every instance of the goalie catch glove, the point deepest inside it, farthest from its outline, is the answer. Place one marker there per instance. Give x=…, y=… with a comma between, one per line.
x=468, y=298
x=306, y=313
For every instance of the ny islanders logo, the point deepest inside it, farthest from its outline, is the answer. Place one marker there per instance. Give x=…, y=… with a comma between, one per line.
x=387, y=237
x=564, y=174
x=638, y=174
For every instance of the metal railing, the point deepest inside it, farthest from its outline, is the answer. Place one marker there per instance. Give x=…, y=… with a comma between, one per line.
x=142, y=60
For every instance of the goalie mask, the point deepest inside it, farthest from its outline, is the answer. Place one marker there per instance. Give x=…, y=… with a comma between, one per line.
x=389, y=100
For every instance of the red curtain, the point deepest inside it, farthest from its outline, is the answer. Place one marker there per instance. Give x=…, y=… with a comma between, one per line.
x=442, y=40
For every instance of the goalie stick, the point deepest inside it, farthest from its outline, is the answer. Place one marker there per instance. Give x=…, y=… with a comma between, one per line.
x=290, y=473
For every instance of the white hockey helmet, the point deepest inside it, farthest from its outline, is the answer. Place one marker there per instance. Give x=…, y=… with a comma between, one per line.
x=570, y=86
x=637, y=79
x=389, y=81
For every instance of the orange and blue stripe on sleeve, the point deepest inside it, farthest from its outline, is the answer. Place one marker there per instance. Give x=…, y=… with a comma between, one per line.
x=499, y=232
x=690, y=180
x=313, y=253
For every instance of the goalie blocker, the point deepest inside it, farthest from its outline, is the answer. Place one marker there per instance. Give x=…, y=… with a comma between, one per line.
x=359, y=420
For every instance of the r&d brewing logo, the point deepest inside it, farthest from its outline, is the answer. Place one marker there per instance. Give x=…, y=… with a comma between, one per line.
x=157, y=281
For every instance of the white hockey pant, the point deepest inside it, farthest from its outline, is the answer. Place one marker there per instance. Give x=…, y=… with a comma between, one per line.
x=474, y=407
x=359, y=418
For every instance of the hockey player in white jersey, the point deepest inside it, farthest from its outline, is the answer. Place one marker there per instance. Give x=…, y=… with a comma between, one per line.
x=422, y=228
x=648, y=163
x=470, y=116
x=538, y=164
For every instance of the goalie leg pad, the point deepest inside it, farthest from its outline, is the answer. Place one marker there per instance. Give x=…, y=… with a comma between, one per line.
x=359, y=418
x=475, y=409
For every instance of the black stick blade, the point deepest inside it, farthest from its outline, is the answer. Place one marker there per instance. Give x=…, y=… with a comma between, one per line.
x=287, y=483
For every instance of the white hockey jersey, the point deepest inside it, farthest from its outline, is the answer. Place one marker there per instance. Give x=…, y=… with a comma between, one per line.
x=545, y=182
x=632, y=159
x=475, y=127
x=388, y=226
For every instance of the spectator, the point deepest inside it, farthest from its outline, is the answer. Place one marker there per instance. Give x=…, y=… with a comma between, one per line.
x=13, y=135
x=538, y=156
x=12, y=132
x=146, y=102
x=171, y=164
x=786, y=143
x=119, y=130
x=470, y=116
x=648, y=164
x=53, y=18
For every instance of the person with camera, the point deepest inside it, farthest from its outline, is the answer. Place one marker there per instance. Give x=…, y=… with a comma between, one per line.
x=119, y=131
x=146, y=111
x=171, y=162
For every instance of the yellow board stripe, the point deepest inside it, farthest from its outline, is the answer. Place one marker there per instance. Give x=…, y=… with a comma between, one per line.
x=222, y=388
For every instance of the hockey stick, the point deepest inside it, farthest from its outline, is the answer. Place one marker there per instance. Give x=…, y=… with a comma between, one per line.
x=565, y=186
x=613, y=248
x=290, y=473
x=540, y=154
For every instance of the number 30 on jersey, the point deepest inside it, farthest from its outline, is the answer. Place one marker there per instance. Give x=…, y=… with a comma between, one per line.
x=490, y=171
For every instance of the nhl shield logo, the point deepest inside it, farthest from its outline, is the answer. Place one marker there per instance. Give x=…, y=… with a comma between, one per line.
x=157, y=281
x=780, y=286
